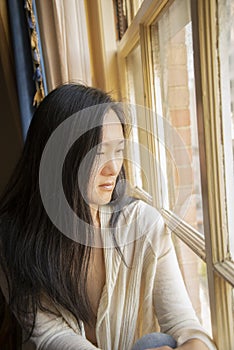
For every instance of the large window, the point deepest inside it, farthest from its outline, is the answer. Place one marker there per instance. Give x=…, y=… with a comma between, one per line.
x=176, y=60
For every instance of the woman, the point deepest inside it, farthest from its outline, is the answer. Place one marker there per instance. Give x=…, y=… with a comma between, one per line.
x=88, y=267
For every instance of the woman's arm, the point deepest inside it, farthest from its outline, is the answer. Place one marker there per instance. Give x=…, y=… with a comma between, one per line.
x=173, y=307
x=54, y=333
x=51, y=331
x=193, y=344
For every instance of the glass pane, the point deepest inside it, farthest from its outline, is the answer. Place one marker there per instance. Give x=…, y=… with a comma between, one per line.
x=138, y=117
x=195, y=277
x=226, y=53
x=175, y=102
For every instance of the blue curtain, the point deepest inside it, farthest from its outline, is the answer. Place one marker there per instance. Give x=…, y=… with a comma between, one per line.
x=24, y=68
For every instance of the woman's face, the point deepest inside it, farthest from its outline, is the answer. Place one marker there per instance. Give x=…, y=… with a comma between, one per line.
x=108, y=162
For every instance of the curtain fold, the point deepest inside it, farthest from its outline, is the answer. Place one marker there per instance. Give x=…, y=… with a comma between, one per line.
x=64, y=37
x=10, y=147
x=23, y=61
x=8, y=81
x=28, y=58
x=11, y=141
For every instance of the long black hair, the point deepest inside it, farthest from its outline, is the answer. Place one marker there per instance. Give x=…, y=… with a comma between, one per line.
x=36, y=257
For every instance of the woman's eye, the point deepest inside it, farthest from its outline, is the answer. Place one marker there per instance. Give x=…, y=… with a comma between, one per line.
x=121, y=150
x=110, y=152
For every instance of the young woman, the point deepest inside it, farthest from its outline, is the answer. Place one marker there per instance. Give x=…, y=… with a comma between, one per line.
x=88, y=267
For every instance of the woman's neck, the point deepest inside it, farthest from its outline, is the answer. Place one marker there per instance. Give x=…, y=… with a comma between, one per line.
x=95, y=216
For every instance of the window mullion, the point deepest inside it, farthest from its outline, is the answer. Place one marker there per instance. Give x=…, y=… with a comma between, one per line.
x=191, y=237
x=226, y=270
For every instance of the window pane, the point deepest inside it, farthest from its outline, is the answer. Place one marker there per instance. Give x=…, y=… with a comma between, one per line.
x=176, y=111
x=195, y=276
x=138, y=116
x=226, y=53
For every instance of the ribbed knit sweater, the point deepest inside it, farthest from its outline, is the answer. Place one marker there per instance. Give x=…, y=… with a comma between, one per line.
x=139, y=296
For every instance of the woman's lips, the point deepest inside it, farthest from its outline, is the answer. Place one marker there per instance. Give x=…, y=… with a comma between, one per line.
x=107, y=186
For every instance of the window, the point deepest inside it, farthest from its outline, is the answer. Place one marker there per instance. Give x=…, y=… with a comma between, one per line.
x=176, y=60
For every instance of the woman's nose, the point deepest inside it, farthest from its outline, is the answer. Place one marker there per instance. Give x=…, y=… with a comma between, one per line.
x=111, y=167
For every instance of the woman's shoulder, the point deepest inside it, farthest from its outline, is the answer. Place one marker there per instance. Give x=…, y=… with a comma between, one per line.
x=146, y=223
x=145, y=216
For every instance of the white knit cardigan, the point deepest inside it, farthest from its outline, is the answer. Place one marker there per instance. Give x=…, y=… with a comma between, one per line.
x=137, y=297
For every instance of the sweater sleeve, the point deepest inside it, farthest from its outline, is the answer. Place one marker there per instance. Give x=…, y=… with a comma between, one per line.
x=53, y=333
x=173, y=307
